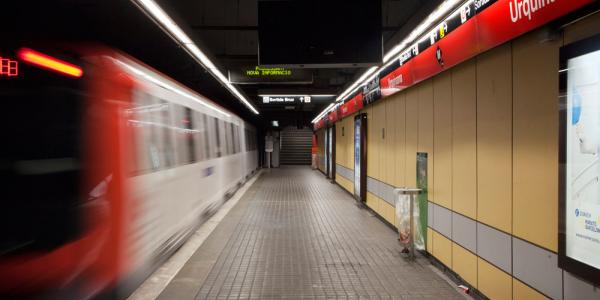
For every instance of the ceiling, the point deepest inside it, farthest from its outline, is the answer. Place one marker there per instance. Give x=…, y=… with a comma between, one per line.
x=226, y=30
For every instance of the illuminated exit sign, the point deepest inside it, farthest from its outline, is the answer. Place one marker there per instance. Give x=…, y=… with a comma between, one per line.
x=264, y=75
x=9, y=67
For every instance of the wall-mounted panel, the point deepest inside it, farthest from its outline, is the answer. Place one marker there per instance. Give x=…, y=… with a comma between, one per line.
x=535, y=136
x=442, y=139
x=492, y=282
x=494, y=138
x=412, y=137
x=425, y=128
x=388, y=160
x=442, y=249
x=372, y=150
x=464, y=263
x=378, y=131
x=464, y=135
x=400, y=147
x=523, y=292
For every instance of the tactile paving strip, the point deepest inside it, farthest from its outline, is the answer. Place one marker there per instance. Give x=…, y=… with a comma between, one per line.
x=302, y=237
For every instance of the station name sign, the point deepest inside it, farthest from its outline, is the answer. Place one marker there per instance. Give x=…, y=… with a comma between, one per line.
x=474, y=27
x=285, y=99
x=264, y=75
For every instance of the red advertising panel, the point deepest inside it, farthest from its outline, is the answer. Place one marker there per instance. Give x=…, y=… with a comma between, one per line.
x=475, y=27
x=449, y=51
x=507, y=19
x=353, y=105
x=397, y=80
x=319, y=124
x=332, y=117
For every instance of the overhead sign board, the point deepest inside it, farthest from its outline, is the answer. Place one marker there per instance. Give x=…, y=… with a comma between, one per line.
x=283, y=99
x=263, y=75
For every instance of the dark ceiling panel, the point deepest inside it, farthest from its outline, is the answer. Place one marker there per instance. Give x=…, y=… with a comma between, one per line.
x=224, y=29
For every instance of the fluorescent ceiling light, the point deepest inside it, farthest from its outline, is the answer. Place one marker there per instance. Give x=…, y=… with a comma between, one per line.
x=168, y=25
x=442, y=10
x=352, y=88
x=169, y=87
x=322, y=113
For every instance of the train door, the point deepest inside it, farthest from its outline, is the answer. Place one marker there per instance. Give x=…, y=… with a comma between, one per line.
x=360, y=157
x=330, y=152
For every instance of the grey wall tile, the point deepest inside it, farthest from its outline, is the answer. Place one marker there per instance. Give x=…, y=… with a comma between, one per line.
x=388, y=194
x=577, y=289
x=537, y=267
x=442, y=220
x=430, y=214
x=464, y=232
x=494, y=246
x=370, y=185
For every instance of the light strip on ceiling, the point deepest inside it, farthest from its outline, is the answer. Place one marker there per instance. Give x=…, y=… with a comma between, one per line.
x=442, y=10
x=168, y=25
x=169, y=87
x=322, y=113
x=352, y=88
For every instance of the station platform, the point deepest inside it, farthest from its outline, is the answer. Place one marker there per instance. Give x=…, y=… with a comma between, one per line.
x=294, y=235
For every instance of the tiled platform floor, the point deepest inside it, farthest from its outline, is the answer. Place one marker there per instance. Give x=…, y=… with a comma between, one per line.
x=294, y=235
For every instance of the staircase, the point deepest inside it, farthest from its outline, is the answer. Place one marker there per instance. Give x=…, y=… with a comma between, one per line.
x=295, y=146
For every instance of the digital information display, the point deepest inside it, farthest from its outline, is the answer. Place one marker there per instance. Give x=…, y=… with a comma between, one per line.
x=263, y=75
x=580, y=158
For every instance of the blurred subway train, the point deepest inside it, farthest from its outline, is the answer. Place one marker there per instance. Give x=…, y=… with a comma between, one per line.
x=107, y=167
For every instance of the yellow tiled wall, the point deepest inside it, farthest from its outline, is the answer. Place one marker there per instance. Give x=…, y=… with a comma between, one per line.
x=490, y=158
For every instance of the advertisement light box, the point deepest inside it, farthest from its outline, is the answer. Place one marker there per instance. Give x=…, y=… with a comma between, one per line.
x=579, y=235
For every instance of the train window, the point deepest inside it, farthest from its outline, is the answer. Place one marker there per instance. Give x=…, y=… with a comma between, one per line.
x=253, y=140
x=199, y=135
x=234, y=129
x=228, y=138
x=250, y=140
x=237, y=139
x=188, y=121
x=218, y=138
x=160, y=146
x=40, y=162
x=207, y=141
x=184, y=134
x=247, y=139
x=140, y=119
x=168, y=148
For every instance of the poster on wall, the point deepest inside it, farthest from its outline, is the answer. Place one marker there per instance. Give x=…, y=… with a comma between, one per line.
x=360, y=179
x=579, y=235
x=330, y=153
x=357, y=150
